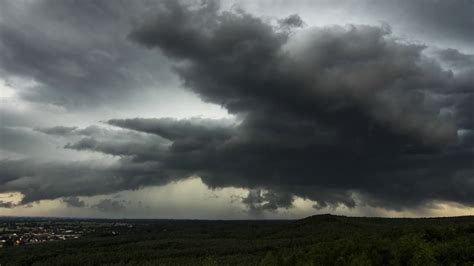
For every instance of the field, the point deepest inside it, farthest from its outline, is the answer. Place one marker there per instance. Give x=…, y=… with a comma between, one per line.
x=316, y=240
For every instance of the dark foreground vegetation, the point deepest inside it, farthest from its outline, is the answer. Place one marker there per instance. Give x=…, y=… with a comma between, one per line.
x=317, y=240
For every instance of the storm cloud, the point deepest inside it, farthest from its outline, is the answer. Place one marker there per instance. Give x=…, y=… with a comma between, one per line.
x=326, y=112
x=340, y=115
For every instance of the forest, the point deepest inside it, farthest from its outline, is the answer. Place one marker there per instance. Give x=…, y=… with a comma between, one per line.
x=316, y=240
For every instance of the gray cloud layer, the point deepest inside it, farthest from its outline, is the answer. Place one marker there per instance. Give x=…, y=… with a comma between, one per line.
x=78, y=60
x=327, y=113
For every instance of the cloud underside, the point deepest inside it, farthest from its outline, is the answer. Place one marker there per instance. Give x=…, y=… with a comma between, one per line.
x=329, y=114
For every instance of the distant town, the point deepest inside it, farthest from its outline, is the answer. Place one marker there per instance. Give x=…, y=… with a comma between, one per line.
x=23, y=231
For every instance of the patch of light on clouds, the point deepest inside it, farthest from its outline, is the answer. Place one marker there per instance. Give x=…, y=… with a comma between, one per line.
x=9, y=97
x=171, y=102
x=6, y=91
x=13, y=197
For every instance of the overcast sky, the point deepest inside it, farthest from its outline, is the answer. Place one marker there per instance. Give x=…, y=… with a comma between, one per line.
x=236, y=109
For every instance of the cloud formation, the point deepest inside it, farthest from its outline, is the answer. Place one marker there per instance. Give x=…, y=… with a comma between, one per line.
x=334, y=114
x=74, y=202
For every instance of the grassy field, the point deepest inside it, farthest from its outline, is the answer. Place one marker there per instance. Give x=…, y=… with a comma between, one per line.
x=316, y=240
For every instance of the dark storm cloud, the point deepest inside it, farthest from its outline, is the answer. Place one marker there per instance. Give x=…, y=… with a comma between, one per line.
x=78, y=54
x=332, y=114
x=326, y=111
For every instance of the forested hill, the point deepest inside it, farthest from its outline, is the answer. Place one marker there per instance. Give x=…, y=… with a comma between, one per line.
x=388, y=221
x=316, y=240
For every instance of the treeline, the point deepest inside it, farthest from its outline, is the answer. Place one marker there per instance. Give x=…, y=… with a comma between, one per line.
x=321, y=240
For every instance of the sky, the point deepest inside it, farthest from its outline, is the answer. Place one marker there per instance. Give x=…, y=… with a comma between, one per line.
x=237, y=109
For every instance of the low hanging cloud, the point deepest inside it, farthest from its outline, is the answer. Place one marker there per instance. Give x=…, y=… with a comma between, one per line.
x=74, y=202
x=109, y=205
x=337, y=115
x=7, y=204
